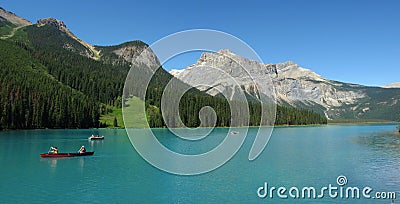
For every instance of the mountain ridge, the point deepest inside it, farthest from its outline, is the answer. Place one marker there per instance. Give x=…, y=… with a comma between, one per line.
x=295, y=86
x=13, y=18
x=60, y=25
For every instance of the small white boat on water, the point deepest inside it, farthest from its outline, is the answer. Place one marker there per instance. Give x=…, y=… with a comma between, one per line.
x=96, y=137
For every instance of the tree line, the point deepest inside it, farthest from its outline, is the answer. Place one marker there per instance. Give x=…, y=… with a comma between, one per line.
x=190, y=105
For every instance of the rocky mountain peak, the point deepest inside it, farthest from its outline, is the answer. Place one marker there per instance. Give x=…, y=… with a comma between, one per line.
x=226, y=52
x=287, y=64
x=210, y=56
x=226, y=59
x=13, y=18
x=131, y=51
x=293, y=70
x=53, y=22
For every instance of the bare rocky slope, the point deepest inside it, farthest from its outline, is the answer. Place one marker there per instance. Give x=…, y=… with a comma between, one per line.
x=294, y=86
x=14, y=19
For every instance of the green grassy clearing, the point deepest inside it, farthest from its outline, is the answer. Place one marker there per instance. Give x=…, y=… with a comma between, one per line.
x=133, y=115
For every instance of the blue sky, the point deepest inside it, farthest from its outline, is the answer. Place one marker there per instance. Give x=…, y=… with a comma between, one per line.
x=354, y=41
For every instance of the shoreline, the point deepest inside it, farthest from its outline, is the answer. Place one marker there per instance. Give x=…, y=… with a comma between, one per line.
x=277, y=126
x=361, y=122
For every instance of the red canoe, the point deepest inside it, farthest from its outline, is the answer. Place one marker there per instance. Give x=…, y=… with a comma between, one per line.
x=75, y=154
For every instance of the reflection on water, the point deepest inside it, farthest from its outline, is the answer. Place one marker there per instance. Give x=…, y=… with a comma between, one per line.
x=382, y=159
x=92, y=143
x=388, y=141
x=53, y=164
x=81, y=162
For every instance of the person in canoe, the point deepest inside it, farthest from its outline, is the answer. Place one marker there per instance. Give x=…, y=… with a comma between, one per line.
x=82, y=150
x=53, y=150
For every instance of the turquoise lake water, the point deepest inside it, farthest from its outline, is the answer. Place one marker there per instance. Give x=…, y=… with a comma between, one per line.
x=368, y=155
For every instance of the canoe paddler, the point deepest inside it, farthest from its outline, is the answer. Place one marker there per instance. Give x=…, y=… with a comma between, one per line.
x=82, y=150
x=53, y=150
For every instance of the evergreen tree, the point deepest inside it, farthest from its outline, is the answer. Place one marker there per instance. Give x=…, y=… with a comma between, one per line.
x=115, y=122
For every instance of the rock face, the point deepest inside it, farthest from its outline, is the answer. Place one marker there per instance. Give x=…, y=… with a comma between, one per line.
x=130, y=53
x=14, y=19
x=297, y=84
x=294, y=85
x=53, y=22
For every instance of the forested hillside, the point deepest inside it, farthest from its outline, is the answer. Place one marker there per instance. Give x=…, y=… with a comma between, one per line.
x=100, y=81
x=31, y=98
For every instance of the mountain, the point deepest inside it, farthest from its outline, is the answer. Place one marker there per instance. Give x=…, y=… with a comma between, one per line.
x=90, y=50
x=10, y=23
x=52, y=79
x=127, y=54
x=49, y=78
x=295, y=86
